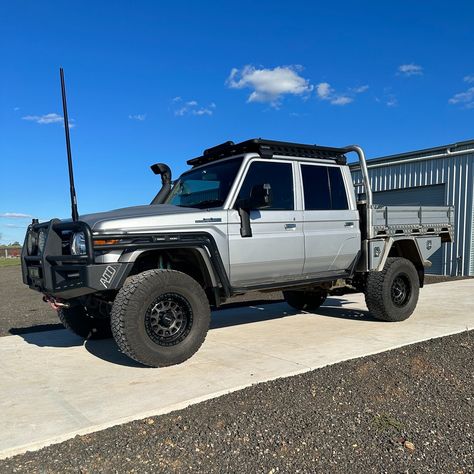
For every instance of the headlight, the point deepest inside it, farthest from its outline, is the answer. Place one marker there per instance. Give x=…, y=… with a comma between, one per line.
x=41, y=240
x=32, y=243
x=78, y=244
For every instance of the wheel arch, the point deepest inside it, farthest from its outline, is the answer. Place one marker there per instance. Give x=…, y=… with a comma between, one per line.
x=194, y=261
x=406, y=248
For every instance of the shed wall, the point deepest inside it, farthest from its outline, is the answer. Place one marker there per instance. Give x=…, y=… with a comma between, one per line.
x=456, y=172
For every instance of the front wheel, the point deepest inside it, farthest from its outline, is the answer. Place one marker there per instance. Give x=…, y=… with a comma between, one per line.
x=392, y=294
x=160, y=317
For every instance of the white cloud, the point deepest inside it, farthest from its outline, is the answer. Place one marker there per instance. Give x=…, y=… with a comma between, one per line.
x=326, y=92
x=201, y=111
x=269, y=85
x=47, y=119
x=342, y=100
x=391, y=101
x=44, y=119
x=139, y=117
x=410, y=70
x=360, y=89
x=192, y=107
x=15, y=215
x=469, y=78
x=464, y=98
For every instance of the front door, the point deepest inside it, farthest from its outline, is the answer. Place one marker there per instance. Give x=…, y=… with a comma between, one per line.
x=276, y=249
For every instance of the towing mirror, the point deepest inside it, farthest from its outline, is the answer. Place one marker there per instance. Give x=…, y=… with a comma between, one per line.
x=261, y=196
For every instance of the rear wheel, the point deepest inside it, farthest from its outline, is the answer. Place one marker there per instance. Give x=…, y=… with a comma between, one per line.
x=160, y=317
x=305, y=300
x=82, y=322
x=392, y=294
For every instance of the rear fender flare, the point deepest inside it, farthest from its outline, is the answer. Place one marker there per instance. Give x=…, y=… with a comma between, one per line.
x=413, y=248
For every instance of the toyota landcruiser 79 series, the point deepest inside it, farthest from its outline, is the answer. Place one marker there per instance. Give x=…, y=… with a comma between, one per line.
x=257, y=215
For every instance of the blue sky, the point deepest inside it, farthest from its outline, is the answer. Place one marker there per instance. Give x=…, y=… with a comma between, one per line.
x=153, y=81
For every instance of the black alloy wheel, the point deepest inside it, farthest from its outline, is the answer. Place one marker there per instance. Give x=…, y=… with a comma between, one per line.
x=392, y=294
x=169, y=319
x=160, y=317
x=401, y=290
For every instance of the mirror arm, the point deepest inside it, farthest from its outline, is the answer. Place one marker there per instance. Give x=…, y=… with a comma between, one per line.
x=245, y=228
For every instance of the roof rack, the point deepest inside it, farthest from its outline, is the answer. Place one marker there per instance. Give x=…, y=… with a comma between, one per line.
x=268, y=148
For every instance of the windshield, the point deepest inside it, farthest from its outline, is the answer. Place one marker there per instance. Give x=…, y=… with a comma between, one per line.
x=205, y=187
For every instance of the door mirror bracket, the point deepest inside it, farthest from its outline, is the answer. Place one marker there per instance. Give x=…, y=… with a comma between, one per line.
x=245, y=228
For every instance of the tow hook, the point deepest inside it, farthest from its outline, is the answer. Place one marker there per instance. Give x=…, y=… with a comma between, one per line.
x=55, y=304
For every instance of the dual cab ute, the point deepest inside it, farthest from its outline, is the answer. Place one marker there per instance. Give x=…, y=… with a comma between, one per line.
x=257, y=215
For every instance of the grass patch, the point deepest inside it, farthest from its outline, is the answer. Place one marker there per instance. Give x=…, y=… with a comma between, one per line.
x=9, y=262
x=386, y=423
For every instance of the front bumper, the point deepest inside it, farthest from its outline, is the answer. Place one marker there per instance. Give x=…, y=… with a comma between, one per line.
x=54, y=271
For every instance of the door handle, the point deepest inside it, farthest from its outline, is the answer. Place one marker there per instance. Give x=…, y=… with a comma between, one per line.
x=349, y=224
x=290, y=226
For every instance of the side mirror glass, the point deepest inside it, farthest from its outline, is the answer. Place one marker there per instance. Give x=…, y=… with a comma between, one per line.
x=261, y=196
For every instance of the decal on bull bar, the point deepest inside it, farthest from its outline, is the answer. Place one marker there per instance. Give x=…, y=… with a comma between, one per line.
x=108, y=276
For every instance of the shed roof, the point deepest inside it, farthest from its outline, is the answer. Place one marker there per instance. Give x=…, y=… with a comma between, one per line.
x=458, y=146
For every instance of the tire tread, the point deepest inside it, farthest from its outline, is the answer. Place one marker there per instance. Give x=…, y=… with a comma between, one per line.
x=123, y=304
x=375, y=295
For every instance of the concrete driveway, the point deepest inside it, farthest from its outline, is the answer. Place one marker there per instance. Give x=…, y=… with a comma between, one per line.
x=54, y=386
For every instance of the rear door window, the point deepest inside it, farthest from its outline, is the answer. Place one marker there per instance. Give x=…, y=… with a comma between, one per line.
x=317, y=196
x=323, y=188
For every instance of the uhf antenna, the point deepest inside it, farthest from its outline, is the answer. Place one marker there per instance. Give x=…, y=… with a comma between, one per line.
x=74, y=213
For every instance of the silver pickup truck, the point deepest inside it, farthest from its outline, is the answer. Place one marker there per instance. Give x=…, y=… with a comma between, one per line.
x=257, y=215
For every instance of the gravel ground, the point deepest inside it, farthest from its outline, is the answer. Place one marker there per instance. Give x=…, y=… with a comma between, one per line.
x=23, y=310
x=406, y=410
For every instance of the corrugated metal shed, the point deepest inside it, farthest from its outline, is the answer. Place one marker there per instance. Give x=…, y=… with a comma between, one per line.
x=425, y=175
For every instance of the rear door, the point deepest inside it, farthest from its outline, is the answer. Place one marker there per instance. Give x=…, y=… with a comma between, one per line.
x=331, y=220
x=276, y=249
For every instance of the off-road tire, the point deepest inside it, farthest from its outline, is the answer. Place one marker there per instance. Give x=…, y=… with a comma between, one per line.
x=305, y=300
x=81, y=322
x=132, y=310
x=384, y=300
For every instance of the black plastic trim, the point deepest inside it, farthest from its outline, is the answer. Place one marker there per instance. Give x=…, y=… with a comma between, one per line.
x=172, y=241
